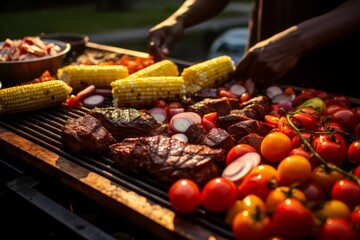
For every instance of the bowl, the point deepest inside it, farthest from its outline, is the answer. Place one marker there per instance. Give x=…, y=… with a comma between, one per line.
x=76, y=40
x=15, y=72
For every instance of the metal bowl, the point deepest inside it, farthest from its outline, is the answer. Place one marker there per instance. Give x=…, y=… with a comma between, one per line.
x=77, y=40
x=15, y=72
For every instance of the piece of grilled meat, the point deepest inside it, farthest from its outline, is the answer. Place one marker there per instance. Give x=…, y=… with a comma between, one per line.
x=167, y=159
x=128, y=122
x=86, y=135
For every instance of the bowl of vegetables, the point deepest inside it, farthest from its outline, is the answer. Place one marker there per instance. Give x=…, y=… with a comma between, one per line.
x=25, y=59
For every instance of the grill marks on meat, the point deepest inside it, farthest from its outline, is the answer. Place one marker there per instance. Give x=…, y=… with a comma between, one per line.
x=222, y=106
x=128, y=123
x=86, y=134
x=166, y=158
x=243, y=128
x=219, y=138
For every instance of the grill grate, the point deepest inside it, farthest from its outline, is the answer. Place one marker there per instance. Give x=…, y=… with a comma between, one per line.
x=44, y=127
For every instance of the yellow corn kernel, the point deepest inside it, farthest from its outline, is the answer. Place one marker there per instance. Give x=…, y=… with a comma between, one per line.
x=207, y=74
x=81, y=76
x=141, y=92
x=29, y=97
x=161, y=68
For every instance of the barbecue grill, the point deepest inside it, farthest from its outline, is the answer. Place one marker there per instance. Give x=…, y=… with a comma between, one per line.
x=37, y=167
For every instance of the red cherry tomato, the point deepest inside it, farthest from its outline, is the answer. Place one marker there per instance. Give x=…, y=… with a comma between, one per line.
x=246, y=96
x=207, y=124
x=330, y=109
x=237, y=151
x=272, y=120
x=357, y=171
x=210, y=116
x=300, y=151
x=337, y=228
x=304, y=121
x=254, y=183
x=325, y=177
x=175, y=105
x=332, y=148
x=249, y=226
x=297, y=142
x=342, y=101
x=292, y=220
x=160, y=103
x=355, y=217
x=184, y=195
x=302, y=97
x=346, y=191
x=312, y=191
x=346, y=118
x=73, y=102
x=354, y=152
x=218, y=195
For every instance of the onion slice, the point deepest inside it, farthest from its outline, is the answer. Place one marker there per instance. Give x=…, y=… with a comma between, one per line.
x=241, y=166
x=103, y=91
x=272, y=91
x=181, y=137
x=93, y=101
x=237, y=89
x=159, y=114
x=180, y=122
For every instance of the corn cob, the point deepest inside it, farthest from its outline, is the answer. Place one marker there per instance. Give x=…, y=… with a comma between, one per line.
x=141, y=92
x=81, y=76
x=207, y=74
x=33, y=96
x=162, y=68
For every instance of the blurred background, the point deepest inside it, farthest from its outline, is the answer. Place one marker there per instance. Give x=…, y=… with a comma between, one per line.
x=124, y=23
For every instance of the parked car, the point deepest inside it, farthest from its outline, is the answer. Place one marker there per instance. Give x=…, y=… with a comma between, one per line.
x=232, y=43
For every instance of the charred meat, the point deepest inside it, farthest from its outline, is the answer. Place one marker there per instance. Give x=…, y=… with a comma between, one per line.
x=243, y=128
x=166, y=158
x=222, y=106
x=86, y=134
x=219, y=138
x=128, y=123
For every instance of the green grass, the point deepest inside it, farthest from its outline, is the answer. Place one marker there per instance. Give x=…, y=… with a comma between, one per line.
x=81, y=19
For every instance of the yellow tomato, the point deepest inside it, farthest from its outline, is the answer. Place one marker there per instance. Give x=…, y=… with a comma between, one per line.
x=275, y=146
x=294, y=169
x=281, y=193
x=335, y=208
x=266, y=170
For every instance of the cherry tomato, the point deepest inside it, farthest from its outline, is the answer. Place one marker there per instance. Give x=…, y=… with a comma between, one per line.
x=294, y=169
x=251, y=226
x=354, y=152
x=253, y=203
x=266, y=170
x=272, y=120
x=304, y=121
x=254, y=183
x=297, y=142
x=346, y=191
x=337, y=228
x=334, y=208
x=357, y=171
x=302, y=97
x=246, y=96
x=355, y=217
x=332, y=148
x=160, y=103
x=325, y=177
x=292, y=220
x=73, y=102
x=236, y=208
x=184, y=195
x=301, y=151
x=207, y=124
x=282, y=193
x=275, y=146
x=330, y=126
x=237, y=151
x=340, y=100
x=219, y=194
x=312, y=191
x=346, y=118
x=330, y=109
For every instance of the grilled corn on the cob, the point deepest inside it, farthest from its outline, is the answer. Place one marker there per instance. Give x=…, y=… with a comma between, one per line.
x=162, y=68
x=33, y=96
x=140, y=92
x=81, y=76
x=210, y=73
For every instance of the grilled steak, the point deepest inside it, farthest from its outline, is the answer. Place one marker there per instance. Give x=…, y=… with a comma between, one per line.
x=195, y=134
x=222, y=106
x=127, y=123
x=252, y=139
x=261, y=100
x=243, y=128
x=86, y=134
x=166, y=158
x=219, y=138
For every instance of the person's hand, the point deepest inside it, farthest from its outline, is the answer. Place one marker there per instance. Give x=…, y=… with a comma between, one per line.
x=269, y=60
x=162, y=36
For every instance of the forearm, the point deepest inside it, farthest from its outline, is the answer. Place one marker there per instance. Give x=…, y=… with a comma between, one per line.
x=193, y=12
x=340, y=23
